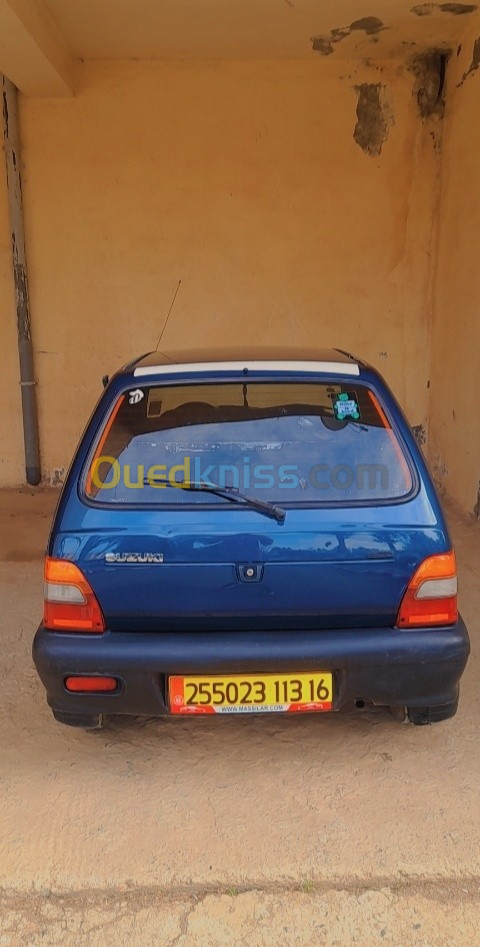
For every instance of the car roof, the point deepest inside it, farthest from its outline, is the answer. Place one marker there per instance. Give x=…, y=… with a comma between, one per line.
x=333, y=360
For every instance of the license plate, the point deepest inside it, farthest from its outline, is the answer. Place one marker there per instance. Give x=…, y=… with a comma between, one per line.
x=251, y=693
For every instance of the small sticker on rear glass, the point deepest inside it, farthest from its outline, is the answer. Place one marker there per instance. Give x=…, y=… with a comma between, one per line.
x=345, y=405
x=135, y=396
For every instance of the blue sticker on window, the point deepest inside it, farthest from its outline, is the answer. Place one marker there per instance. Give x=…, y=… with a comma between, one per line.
x=345, y=405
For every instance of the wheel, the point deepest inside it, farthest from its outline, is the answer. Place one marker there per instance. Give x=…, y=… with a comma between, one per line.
x=87, y=721
x=420, y=716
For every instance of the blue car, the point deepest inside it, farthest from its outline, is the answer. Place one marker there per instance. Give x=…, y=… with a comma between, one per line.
x=249, y=532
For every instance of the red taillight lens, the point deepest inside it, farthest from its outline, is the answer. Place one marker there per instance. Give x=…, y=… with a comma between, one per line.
x=69, y=603
x=431, y=595
x=87, y=685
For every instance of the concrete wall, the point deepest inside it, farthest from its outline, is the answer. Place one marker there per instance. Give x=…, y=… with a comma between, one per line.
x=455, y=373
x=286, y=221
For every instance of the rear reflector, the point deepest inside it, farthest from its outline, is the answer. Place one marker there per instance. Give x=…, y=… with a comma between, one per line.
x=90, y=684
x=69, y=602
x=431, y=595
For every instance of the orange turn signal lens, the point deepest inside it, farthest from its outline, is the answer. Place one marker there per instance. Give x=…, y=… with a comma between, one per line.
x=89, y=685
x=431, y=595
x=69, y=602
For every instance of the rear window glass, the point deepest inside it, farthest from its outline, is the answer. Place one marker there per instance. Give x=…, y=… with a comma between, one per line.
x=284, y=442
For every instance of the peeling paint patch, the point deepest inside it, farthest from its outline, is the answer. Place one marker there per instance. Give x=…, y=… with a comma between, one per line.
x=423, y=9
x=429, y=71
x=458, y=9
x=340, y=33
x=373, y=117
x=476, y=508
x=322, y=44
x=419, y=434
x=371, y=25
x=325, y=44
x=475, y=63
x=5, y=113
x=56, y=477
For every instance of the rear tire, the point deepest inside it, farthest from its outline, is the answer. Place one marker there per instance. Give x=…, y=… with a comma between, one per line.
x=421, y=716
x=85, y=721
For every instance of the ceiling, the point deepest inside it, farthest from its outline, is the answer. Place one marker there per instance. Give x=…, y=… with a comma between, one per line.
x=42, y=41
x=249, y=29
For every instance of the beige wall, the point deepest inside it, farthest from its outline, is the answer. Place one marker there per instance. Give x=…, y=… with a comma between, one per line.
x=455, y=377
x=245, y=182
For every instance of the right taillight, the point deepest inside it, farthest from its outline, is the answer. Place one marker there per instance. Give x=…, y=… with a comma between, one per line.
x=431, y=594
x=69, y=602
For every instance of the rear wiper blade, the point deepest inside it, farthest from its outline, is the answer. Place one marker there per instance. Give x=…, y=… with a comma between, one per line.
x=229, y=493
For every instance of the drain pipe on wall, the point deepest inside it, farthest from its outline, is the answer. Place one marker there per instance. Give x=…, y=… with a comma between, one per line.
x=11, y=139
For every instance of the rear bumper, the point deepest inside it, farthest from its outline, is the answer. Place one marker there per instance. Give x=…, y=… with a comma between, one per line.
x=384, y=666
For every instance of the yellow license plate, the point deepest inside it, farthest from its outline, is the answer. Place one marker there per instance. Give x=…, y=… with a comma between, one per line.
x=251, y=693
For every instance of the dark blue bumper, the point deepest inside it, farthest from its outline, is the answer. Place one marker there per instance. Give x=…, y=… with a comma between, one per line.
x=383, y=666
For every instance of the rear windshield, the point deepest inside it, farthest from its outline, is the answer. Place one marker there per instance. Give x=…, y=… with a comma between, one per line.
x=289, y=442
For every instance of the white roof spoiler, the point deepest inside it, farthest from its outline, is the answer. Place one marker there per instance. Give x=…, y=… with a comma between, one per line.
x=325, y=368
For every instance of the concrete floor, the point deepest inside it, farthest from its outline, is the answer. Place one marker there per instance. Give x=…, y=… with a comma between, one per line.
x=309, y=830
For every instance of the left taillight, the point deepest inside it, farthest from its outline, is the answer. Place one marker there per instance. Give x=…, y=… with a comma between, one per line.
x=69, y=602
x=431, y=595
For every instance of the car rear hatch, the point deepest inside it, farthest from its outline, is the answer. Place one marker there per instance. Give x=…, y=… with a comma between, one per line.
x=358, y=518
x=246, y=572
